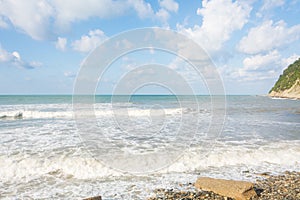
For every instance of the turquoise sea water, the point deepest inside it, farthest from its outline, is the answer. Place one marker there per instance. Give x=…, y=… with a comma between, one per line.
x=44, y=154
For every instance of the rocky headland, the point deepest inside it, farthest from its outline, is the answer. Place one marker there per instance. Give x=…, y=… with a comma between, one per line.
x=288, y=84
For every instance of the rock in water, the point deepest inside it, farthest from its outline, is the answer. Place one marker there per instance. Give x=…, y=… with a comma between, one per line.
x=239, y=190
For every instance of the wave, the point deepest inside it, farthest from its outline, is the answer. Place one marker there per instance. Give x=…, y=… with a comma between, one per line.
x=135, y=112
x=33, y=167
x=279, y=154
x=272, y=157
x=284, y=98
x=10, y=115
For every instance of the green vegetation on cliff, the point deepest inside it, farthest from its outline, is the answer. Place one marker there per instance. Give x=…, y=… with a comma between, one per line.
x=288, y=78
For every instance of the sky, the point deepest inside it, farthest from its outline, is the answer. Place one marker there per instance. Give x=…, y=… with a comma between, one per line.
x=43, y=43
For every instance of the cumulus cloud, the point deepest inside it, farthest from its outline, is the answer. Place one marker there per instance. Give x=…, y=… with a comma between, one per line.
x=30, y=16
x=69, y=11
x=42, y=19
x=14, y=59
x=260, y=67
x=220, y=19
x=169, y=5
x=262, y=62
x=268, y=36
x=166, y=6
x=143, y=9
x=61, y=43
x=162, y=15
x=88, y=42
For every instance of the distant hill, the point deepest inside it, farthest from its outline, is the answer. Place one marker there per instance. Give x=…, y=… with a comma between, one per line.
x=288, y=84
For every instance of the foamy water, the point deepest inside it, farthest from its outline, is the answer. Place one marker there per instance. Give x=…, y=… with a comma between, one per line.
x=43, y=155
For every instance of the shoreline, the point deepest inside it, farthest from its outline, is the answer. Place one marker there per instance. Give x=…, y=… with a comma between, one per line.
x=267, y=186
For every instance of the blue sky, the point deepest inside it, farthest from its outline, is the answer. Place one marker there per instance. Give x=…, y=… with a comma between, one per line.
x=43, y=43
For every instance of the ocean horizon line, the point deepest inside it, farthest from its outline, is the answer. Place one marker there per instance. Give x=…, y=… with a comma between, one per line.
x=133, y=95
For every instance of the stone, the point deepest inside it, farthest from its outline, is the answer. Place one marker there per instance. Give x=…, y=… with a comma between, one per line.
x=239, y=190
x=94, y=198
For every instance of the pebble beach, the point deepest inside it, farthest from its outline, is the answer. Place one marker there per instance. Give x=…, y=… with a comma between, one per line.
x=285, y=186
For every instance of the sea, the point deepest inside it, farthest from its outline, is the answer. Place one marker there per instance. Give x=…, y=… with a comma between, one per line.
x=136, y=144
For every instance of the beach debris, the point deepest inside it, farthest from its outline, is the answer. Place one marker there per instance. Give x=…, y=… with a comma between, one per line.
x=239, y=190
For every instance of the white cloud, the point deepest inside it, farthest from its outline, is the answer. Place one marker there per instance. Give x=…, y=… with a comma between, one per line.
x=260, y=67
x=49, y=18
x=143, y=9
x=169, y=5
x=90, y=41
x=166, y=6
x=69, y=11
x=162, y=15
x=16, y=55
x=268, y=36
x=220, y=19
x=42, y=19
x=262, y=62
x=290, y=60
x=14, y=59
x=61, y=43
x=269, y=4
x=6, y=57
x=30, y=16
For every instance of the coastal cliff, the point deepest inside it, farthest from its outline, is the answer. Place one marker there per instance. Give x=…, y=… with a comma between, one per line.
x=288, y=84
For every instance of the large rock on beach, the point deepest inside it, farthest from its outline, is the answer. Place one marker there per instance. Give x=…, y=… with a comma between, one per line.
x=93, y=198
x=239, y=190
